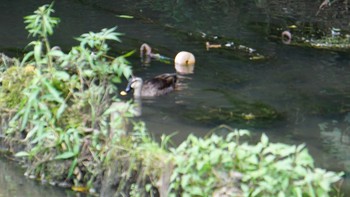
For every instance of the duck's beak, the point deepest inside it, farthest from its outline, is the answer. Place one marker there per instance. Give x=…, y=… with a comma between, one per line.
x=127, y=89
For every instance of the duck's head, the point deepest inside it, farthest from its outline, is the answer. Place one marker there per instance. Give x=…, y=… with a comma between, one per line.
x=134, y=83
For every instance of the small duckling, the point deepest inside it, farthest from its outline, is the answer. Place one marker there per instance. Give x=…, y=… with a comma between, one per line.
x=157, y=86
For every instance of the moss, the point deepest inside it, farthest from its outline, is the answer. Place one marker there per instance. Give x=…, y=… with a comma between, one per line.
x=71, y=118
x=15, y=80
x=57, y=169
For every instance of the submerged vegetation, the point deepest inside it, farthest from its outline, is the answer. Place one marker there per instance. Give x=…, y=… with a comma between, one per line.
x=239, y=112
x=69, y=127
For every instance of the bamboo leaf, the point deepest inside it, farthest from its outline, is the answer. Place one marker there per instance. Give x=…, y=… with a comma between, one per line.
x=61, y=110
x=62, y=75
x=128, y=54
x=53, y=91
x=37, y=51
x=28, y=107
x=71, y=168
x=65, y=155
x=26, y=57
x=22, y=154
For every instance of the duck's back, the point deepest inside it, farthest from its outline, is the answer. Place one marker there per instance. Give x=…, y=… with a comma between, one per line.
x=159, y=85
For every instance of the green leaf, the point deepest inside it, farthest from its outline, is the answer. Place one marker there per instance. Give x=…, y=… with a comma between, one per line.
x=88, y=73
x=65, y=155
x=72, y=166
x=26, y=57
x=37, y=51
x=53, y=91
x=40, y=137
x=264, y=139
x=215, y=156
x=129, y=54
x=60, y=110
x=22, y=154
x=56, y=53
x=62, y=75
x=28, y=107
x=298, y=192
x=197, y=191
x=116, y=79
x=127, y=72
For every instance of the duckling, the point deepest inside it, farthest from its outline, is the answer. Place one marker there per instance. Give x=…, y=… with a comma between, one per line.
x=157, y=86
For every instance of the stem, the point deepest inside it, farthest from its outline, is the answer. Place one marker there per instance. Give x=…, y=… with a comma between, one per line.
x=47, y=44
x=44, y=19
x=48, y=48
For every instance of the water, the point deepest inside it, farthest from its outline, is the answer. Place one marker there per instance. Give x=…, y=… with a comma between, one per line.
x=309, y=87
x=13, y=183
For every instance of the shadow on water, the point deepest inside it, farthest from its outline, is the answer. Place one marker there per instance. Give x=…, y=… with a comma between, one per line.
x=302, y=93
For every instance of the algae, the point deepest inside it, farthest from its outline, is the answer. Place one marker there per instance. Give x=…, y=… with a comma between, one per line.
x=240, y=112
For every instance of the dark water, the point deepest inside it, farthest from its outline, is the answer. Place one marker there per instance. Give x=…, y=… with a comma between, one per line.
x=13, y=183
x=309, y=87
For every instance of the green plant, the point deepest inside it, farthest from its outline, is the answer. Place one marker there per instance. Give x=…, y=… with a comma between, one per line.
x=276, y=169
x=41, y=24
x=65, y=110
x=201, y=165
x=216, y=164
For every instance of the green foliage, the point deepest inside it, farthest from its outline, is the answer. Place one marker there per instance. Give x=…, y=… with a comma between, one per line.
x=275, y=169
x=206, y=166
x=65, y=102
x=41, y=24
x=199, y=163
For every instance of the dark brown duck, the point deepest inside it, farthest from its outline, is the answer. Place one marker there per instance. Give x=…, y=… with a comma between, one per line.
x=157, y=86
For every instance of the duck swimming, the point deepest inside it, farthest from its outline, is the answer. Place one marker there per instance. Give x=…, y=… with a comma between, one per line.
x=157, y=86
x=184, y=61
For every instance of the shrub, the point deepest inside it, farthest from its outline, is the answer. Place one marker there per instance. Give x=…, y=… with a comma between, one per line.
x=224, y=166
x=65, y=103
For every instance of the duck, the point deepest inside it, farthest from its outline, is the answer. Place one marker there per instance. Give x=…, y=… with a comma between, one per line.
x=157, y=86
x=286, y=37
x=184, y=61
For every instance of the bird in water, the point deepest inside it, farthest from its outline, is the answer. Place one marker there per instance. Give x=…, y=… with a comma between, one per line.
x=157, y=86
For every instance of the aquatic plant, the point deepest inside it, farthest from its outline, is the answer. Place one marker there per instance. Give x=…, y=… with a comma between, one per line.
x=239, y=112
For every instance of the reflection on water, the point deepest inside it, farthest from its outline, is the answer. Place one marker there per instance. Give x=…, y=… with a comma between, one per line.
x=14, y=184
x=308, y=86
x=335, y=136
